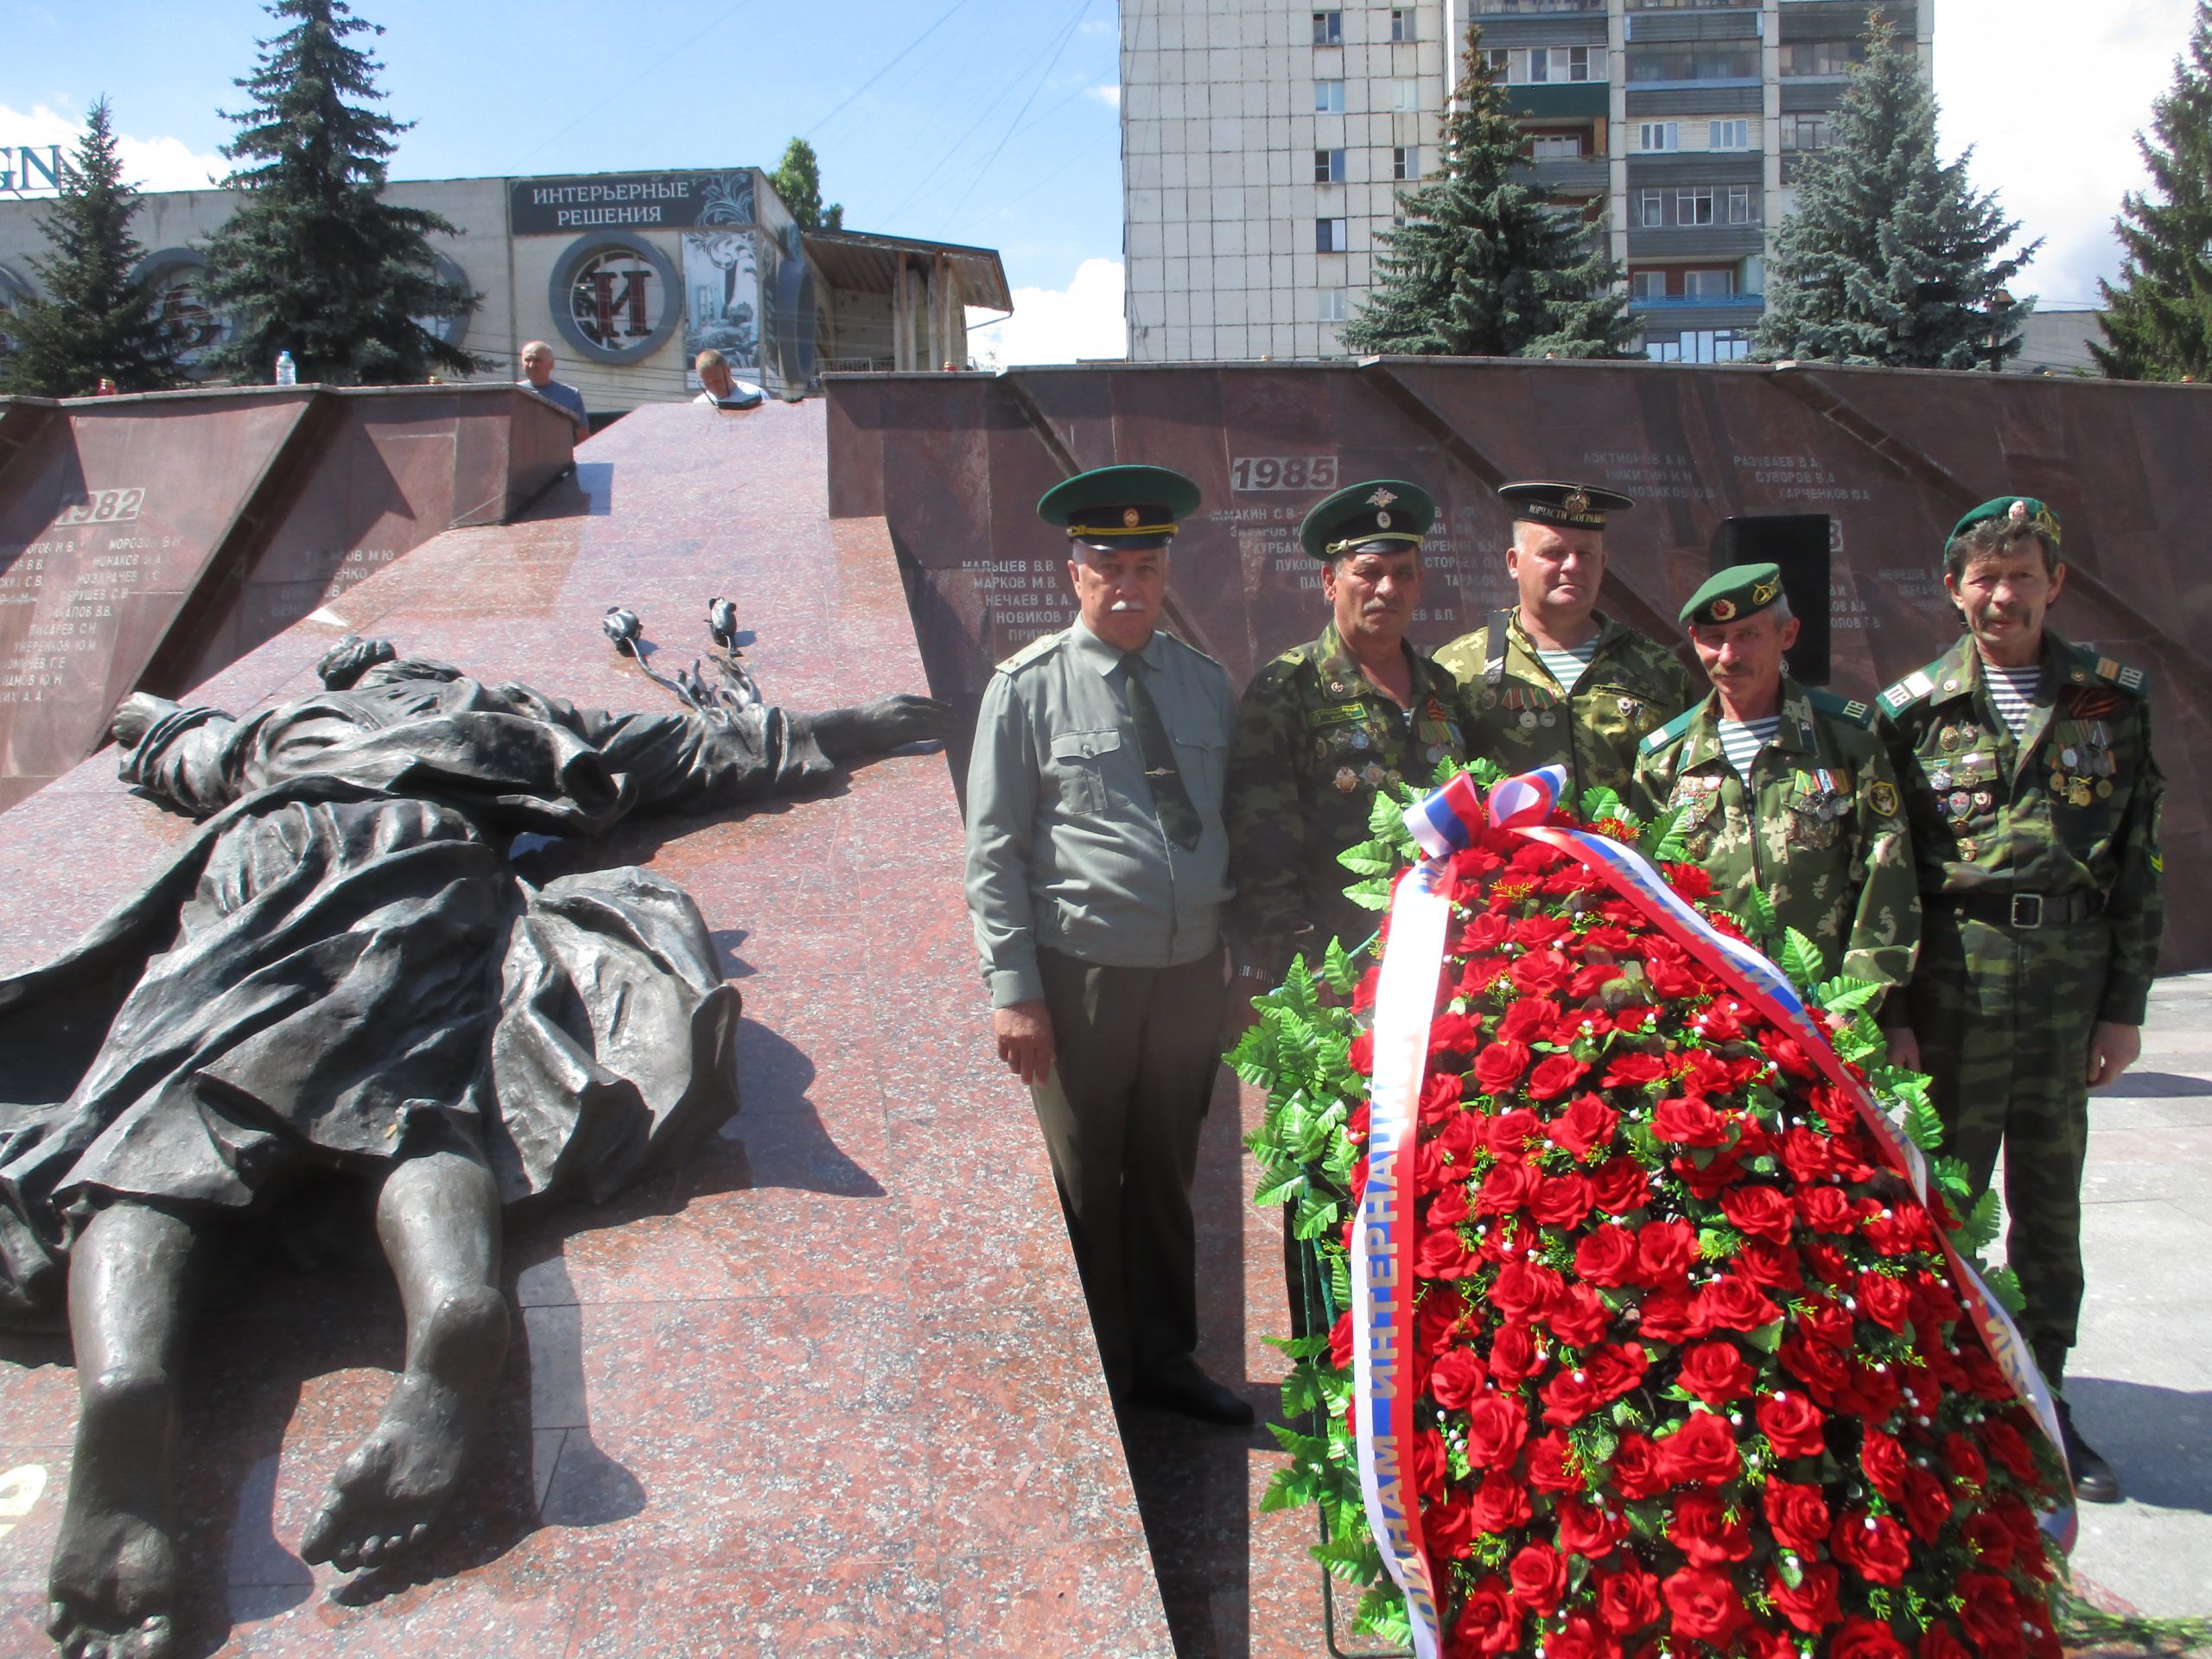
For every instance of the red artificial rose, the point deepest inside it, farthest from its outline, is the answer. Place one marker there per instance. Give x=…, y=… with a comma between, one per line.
x=1578, y=1315
x=1991, y=1616
x=1541, y=970
x=1449, y=1528
x=1926, y=1504
x=1820, y=1370
x=1555, y=1075
x=1991, y=1540
x=1812, y=1606
x=1939, y=1641
x=1587, y=1123
x=1443, y=1254
x=1688, y=1122
x=1872, y=1545
x=1569, y=1398
x=1522, y=1287
x=1497, y=1426
x=1501, y=1503
x=1702, y=1452
x=1826, y=1208
x=1620, y=1184
x=1506, y=1186
x=1578, y=1638
x=1340, y=1342
x=1826, y=1322
x=1587, y=1531
x=1456, y=1379
x=1489, y=1622
x=1862, y=1639
x=1664, y=1250
x=1637, y=1471
x=1530, y=1019
x=1666, y=1314
x=1633, y=1070
x=1884, y=1300
x=1874, y=1392
x=2027, y=1537
x=1553, y=1464
x=1605, y=1256
x=1797, y=1513
x=1792, y=1424
x=2006, y=1445
x=1715, y=1372
x=1769, y=1266
x=1734, y=1304
x=1561, y=1201
x=1883, y=1460
x=1448, y=1208
x=1689, y=880
x=1761, y=1211
x=1809, y=1157
x=1698, y=1528
x=1538, y=1576
x=1616, y=1367
x=1963, y=1458
x=1704, y=1603
x=1510, y=1133
x=1499, y=1066
x=1513, y=1355
x=1627, y=1600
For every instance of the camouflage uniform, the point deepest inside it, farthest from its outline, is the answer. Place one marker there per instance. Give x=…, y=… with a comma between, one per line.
x=2039, y=867
x=1518, y=716
x=1314, y=739
x=1821, y=831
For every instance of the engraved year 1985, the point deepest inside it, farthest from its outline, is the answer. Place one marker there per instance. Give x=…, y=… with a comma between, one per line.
x=1283, y=473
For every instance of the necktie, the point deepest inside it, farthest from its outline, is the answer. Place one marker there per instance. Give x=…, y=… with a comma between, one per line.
x=1177, y=816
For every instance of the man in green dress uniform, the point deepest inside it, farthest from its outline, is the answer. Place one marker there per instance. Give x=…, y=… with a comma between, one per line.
x=1321, y=728
x=1553, y=681
x=1785, y=790
x=2034, y=801
x=1098, y=879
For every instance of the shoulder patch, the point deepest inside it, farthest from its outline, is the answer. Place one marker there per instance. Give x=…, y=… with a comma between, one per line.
x=2132, y=680
x=1848, y=709
x=1656, y=741
x=1035, y=651
x=1907, y=691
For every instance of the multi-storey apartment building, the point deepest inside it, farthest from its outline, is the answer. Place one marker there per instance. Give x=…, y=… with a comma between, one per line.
x=1264, y=142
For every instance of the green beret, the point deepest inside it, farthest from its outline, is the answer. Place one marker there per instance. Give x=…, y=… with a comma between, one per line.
x=1120, y=506
x=1730, y=595
x=1582, y=505
x=2022, y=512
x=1382, y=515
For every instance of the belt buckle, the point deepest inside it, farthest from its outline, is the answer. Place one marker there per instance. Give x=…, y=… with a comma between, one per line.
x=2027, y=910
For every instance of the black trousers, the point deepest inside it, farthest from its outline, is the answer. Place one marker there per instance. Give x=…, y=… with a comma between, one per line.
x=1135, y=1051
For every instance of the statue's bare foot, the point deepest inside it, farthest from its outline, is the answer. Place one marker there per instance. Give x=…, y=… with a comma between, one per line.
x=111, y=1584
x=392, y=1485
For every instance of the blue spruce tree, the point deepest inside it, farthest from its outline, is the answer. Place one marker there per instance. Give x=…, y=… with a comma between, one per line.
x=2157, y=319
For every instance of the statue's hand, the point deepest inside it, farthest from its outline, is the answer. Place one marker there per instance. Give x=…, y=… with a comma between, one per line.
x=136, y=717
x=887, y=723
x=351, y=657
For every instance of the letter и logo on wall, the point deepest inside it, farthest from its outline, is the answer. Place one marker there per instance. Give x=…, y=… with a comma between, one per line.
x=615, y=294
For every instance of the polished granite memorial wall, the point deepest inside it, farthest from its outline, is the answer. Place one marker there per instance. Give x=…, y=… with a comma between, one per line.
x=148, y=541
x=954, y=464
x=827, y=1389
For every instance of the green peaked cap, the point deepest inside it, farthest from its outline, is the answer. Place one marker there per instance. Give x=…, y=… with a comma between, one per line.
x=1387, y=513
x=1129, y=505
x=2022, y=510
x=1730, y=595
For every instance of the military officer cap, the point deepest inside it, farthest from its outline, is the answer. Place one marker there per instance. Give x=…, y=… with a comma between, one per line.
x=1126, y=506
x=1384, y=515
x=1730, y=595
x=1579, y=505
x=2021, y=512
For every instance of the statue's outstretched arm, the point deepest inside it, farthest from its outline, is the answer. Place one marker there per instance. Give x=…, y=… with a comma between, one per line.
x=846, y=734
x=182, y=755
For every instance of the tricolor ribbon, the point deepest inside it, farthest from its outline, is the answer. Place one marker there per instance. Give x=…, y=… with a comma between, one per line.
x=1442, y=823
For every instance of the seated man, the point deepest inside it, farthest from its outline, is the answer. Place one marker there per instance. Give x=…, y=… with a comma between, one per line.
x=723, y=389
x=340, y=978
x=538, y=376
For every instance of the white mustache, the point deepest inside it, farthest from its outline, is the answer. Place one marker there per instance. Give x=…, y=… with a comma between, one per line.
x=1125, y=605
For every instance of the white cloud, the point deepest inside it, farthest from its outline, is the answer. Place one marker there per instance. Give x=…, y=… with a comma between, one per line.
x=1110, y=96
x=1059, y=325
x=162, y=163
x=2051, y=93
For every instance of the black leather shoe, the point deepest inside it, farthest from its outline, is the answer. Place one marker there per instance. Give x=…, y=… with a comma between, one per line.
x=1193, y=1394
x=2093, y=1480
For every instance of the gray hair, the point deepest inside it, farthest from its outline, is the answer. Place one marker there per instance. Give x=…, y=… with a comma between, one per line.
x=710, y=359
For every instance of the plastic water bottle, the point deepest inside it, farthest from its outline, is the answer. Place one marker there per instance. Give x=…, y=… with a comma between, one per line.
x=288, y=372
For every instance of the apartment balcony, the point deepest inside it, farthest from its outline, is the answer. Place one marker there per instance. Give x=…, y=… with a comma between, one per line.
x=1696, y=242
x=1700, y=310
x=1532, y=7
x=1556, y=99
x=1567, y=175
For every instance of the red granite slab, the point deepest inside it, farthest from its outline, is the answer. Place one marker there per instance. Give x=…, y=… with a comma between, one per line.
x=827, y=1388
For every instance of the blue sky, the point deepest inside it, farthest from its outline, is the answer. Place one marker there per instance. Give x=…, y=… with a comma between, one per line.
x=984, y=121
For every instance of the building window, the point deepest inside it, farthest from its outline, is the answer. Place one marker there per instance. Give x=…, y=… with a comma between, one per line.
x=1740, y=204
x=1405, y=95
x=1331, y=235
x=1328, y=98
x=1651, y=211
x=1328, y=28
x=1807, y=132
x=1332, y=305
x=1537, y=65
x=1556, y=147
x=1829, y=57
x=1694, y=206
x=1402, y=25
x=1727, y=134
x=1328, y=167
x=1709, y=285
x=1646, y=285
x=1704, y=60
x=1499, y=60
x=1405, y=162
x=1659, y=134
x=1702, y=345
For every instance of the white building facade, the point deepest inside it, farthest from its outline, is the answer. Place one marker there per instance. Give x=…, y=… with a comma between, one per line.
x=1264, y=142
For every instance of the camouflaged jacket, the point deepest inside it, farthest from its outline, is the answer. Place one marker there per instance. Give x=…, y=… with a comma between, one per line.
x=1820, y=829
x=1314, y=739
x=1519, y=717
x=2072, y=808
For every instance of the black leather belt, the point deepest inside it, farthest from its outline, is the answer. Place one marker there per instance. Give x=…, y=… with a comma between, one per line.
x=2022, y=909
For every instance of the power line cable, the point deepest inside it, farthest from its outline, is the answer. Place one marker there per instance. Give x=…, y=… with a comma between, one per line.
x=649, y=70
x=846, y=102
x=1066, y=34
